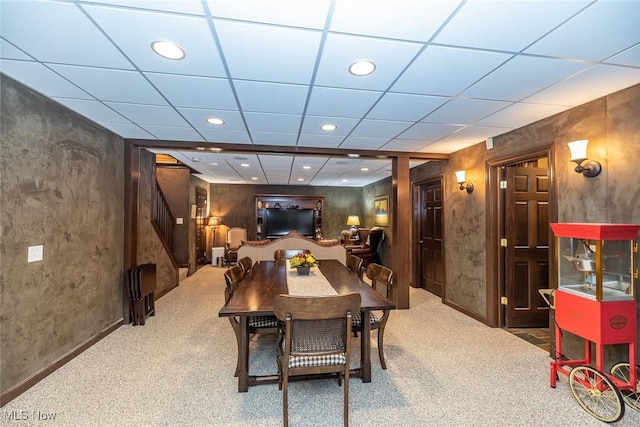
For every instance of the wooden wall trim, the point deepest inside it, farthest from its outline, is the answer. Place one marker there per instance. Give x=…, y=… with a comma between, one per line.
x=38, y=376
x=401, y=230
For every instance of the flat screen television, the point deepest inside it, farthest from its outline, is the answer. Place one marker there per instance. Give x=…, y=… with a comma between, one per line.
x=279, y=222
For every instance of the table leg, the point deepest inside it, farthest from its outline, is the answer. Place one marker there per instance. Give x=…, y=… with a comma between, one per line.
x=243, y=356
x=365, y=347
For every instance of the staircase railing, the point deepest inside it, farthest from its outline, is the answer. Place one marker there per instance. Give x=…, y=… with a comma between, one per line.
x=163, y=219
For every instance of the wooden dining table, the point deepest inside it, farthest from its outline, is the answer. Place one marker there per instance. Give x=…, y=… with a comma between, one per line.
x=255, y=296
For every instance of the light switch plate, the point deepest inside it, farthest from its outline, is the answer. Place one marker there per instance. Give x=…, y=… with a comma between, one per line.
x=179, y=221
x=35, y=253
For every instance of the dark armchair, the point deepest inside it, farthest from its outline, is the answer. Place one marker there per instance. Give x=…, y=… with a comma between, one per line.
x=368, y=249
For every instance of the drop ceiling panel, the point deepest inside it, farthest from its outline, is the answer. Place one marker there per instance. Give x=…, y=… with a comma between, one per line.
x=520, y=114
x=112, y=85
x=271, y=97
x=194, y=92
x=340, y=51
x=225, y=136
x=93, y=110
x=405, y=107
x=447, y=71
x=150, y=114
x=604, y=29
x=410, y=145
x=193, y=7
x=41, y=28
x=523, y=76
x=406, y=20
x=274, y=138
x=324, y=141
x=379, y=128
x=429, y=131
x=198, y=119
x=587, y=85
x=326, y=101
x=264, y=122
x=312, y=125
x=42, y=79
x=365, y=143
x=11, y=52
x=309, y=14
x=462, y=111
x=485, y=24
x=261, y=52
x=191, y=33
x=127, y=130
x=629, y=57
x=173, y=133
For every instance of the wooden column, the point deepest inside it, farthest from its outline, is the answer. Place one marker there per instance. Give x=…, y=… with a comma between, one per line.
x=401, y=230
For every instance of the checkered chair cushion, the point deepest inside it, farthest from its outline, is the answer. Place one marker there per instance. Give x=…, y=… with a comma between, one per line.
x=307, y=361
x=263, y=322
x=356, y=319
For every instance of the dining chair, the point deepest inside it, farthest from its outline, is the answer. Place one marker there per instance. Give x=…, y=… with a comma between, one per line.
x=315, y=340
x=235, y=237
x=280, y=254
x=256, y=324
x=383, y=276
x=246, y=263
x=354, y=263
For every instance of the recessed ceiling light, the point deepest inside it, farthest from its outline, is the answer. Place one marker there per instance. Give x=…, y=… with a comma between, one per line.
x=213, y=164
x=362, y=68
x=195, y=159
x=329, y=127
x=255, y=178
x=215, y=121
x=306, y=167
x=345, y=180
x=342, y=162
x=353, y=155
x=300, y=179
x=364, y=169
x=240, y=158
x=167, y=50
x=244, y=165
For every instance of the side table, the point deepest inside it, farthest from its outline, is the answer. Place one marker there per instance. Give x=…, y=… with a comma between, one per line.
x=217, y=256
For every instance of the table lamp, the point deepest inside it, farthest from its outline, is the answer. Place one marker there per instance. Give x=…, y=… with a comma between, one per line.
x=354, y=222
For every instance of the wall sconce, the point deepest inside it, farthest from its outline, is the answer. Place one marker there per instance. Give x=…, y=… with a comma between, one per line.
x=354, y=222
x=579, y=155
x=214, y=221
x=461, y=178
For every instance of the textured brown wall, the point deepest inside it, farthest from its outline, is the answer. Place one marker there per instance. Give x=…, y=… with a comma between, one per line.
x=236, y=205
x=612, y=126
x=62, y=186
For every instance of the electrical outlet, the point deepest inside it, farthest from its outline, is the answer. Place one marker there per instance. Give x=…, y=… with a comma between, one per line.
x=35, y=253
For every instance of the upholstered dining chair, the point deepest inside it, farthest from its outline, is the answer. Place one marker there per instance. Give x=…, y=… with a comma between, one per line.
x=315, y=340
x=379, y=276
x=235, y=237
x=257, y=324
x=280, y=254
x=354, y=263
x=246, y=263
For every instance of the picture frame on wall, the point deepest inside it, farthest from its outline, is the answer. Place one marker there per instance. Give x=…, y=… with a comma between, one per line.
x=381, y=210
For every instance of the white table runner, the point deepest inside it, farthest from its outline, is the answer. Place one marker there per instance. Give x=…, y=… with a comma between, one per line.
x=313, y=285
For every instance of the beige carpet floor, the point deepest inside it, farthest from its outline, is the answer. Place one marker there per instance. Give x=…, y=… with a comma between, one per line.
x=444, y=369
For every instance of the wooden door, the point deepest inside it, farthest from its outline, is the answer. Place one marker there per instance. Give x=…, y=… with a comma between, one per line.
x=527, y=246
x=430, y=237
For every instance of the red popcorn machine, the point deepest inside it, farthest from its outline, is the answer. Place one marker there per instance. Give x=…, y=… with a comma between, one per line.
x=596, y=299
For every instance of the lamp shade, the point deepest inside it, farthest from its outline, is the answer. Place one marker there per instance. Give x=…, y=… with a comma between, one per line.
x=578, y=150
x=214, y=221
x=353, y=220
x=461, y=176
